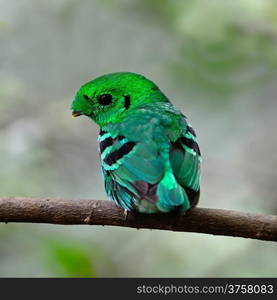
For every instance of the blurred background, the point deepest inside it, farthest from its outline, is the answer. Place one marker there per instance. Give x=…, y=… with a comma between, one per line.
x=216, y=60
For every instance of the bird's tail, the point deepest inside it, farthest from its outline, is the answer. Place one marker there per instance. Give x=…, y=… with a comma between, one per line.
x=171, y=195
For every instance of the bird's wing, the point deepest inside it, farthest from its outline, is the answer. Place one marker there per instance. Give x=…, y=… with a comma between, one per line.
x=130, y=167
x=185, y=159
x=153, y=168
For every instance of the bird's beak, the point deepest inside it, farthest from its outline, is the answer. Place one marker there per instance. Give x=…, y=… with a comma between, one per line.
x=76, y=114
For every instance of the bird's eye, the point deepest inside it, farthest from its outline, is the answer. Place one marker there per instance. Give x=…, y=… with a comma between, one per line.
x=105, y=99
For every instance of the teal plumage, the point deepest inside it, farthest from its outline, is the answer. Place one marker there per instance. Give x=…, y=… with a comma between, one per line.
x=150, y=157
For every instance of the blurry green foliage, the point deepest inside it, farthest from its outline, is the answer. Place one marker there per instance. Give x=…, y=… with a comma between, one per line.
x=222, y=47
x=221, y=69
x=70, y=259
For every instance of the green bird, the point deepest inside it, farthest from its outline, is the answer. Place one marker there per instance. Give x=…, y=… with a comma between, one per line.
x=149, y=152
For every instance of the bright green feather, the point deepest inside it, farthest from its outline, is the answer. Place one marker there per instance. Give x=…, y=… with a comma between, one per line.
x=149, y=153
x=140, y=89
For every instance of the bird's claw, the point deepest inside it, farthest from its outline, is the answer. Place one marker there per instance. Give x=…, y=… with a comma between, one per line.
x=125, y=214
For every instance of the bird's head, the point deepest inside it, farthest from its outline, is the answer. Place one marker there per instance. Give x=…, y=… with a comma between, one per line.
x=111, y=97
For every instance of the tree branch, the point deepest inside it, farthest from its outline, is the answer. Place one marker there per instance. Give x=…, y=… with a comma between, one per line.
x=104, y=212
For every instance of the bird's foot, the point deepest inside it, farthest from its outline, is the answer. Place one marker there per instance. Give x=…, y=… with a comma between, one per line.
x=125, y=214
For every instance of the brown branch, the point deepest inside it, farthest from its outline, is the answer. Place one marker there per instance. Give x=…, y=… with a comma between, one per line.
x=103, y=212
